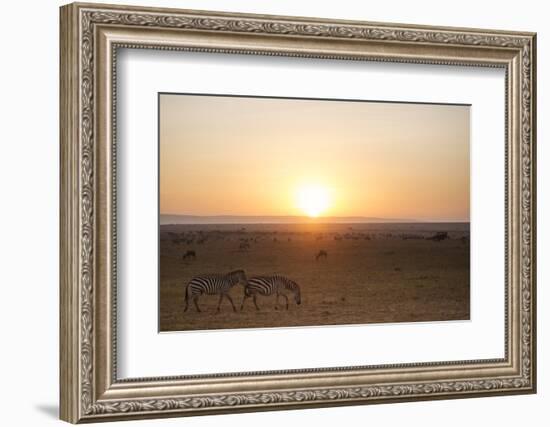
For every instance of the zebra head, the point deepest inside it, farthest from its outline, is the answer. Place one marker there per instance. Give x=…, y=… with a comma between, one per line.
x=238, y=276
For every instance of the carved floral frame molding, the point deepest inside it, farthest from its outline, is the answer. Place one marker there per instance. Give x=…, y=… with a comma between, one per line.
x=90, y=37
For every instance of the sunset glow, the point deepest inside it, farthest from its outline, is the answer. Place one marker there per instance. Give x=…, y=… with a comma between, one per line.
x=242, y=156
x=313, y=200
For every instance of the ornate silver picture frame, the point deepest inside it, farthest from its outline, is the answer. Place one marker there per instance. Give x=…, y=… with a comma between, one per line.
x=91, y=36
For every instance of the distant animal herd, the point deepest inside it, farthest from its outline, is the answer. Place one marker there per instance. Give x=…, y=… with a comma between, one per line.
x=221, y=284
x=245, y=243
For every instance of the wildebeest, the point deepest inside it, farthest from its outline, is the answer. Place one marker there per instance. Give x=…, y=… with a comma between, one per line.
x=243, y=246
x=322, y=254
x=440, y=235
x=189, y=254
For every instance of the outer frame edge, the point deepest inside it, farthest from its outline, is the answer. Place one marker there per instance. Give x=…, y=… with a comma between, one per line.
x=68, y=224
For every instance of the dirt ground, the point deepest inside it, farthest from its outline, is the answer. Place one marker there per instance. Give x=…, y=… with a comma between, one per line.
x=374, y=273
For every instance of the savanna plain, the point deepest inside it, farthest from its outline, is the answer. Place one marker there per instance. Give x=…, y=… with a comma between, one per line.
x=372, y=273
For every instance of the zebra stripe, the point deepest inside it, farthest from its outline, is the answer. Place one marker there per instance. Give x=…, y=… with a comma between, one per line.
x=213, y=284
x=269, y=285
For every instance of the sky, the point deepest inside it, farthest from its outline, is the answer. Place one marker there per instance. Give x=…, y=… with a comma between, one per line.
x=274, y=156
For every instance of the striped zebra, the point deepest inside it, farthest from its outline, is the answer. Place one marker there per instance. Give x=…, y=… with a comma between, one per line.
x=213, y=284
x=269, y=285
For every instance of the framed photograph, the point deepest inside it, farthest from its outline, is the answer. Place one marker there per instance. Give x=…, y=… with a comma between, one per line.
x=265, y=212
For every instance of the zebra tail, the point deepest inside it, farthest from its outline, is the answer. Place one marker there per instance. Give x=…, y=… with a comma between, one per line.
x=248, y=291
x=186, y=293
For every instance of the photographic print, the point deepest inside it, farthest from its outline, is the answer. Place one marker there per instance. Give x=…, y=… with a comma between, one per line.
x=281, y=212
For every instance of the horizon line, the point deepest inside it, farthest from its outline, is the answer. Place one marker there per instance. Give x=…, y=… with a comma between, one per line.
x=304, y=218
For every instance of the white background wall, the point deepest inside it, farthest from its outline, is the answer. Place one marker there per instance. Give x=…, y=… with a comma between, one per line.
x=29, y=171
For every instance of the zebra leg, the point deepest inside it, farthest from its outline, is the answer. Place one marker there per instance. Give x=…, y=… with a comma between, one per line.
x=255, y=303
x=196, y=303
x=286, y=298
x=244, y=299
x=277, y=301
x=219, y=302
x=231, y=301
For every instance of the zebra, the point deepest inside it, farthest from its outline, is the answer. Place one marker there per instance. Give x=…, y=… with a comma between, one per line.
x=322, y=254
x=213, y=284
x=269, y=285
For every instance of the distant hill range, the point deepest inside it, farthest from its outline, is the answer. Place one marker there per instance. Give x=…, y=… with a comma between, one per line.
x=244, y=219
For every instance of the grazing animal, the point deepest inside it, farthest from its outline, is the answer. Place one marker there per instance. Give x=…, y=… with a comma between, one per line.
x=269, y=285
x=189, y=254
x=244, y=246
x=440, y=235
x=322, y=254
x=213, y=284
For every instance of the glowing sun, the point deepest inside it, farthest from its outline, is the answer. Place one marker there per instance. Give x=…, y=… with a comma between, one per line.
x=313, y=200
